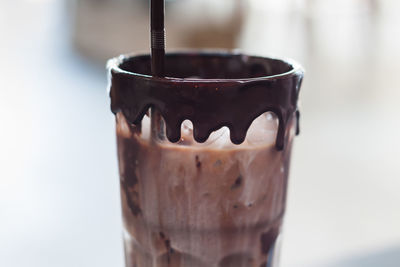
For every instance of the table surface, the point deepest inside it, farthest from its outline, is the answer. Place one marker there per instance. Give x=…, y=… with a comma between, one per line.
x=59, y=194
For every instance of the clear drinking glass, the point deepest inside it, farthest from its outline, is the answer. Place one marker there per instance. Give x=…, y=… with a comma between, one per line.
x=210, y=204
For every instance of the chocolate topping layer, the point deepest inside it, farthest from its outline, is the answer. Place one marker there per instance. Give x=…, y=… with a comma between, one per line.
x=212, y=89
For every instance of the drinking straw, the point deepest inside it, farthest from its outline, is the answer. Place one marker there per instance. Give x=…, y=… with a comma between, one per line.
x=157, y=38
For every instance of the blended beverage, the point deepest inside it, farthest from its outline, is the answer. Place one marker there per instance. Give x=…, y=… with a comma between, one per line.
x=204, y=175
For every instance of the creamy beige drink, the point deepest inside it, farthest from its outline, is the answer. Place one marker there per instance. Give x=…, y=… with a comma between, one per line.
x=202, y=205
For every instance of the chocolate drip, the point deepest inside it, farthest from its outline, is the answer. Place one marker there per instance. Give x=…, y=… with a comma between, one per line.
x=228, y=90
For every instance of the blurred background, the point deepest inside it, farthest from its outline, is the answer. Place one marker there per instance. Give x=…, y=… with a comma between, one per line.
x=59, y=192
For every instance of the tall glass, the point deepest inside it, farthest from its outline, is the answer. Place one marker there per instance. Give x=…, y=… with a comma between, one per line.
x=195, y=200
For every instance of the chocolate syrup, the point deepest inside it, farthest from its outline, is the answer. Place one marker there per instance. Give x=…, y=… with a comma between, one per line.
x=212, y=89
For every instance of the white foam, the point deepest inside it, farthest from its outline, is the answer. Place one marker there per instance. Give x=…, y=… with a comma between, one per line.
x=146, y=127
x=262, y=131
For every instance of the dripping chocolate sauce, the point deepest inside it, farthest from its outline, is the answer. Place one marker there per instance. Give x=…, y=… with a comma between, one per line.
x=211, y=89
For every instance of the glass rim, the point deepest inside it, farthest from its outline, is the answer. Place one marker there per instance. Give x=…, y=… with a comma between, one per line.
x=114, y=65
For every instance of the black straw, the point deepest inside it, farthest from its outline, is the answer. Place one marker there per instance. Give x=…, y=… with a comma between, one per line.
x=157, y=58
x=157, y=38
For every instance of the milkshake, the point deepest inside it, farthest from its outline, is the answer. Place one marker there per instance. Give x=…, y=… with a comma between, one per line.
x=204, y=186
